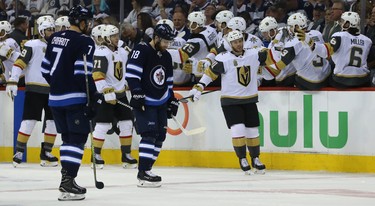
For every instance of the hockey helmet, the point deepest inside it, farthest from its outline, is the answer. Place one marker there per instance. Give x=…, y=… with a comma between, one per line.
x=353, y=19
x=267, y=24
x=6, y=27
x=45, y=25
x=297, y=19
x=62, y=22
x=196, y=17
x=166, y=21
x=224, y=16
x=44, y=18
x=237, y=23
x=234, y=35
x=79, y=13
x=164, y=31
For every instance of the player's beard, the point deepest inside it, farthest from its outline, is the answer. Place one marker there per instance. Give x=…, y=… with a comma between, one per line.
x=158, y=46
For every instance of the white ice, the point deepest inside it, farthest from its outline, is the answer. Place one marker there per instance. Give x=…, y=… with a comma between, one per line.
x=30, y=184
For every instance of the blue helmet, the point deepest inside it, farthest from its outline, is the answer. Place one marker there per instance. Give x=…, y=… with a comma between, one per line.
x=164, y=31
x=79, y=13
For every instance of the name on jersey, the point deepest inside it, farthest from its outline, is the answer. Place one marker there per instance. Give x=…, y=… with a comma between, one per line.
x=357, y=42
x=60, y=41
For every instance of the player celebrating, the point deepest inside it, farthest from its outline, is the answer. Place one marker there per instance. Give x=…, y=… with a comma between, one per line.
x=36, y=96
x=109, y=77
x=239, y=94
x=351, y=71
x=149, y=74
x=64, y=69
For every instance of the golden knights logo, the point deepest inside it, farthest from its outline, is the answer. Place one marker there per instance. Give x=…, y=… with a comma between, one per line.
x=119, y=72
x=243, y=75
x=158, y=76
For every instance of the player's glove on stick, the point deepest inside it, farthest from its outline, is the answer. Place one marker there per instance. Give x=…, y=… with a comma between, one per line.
x=138, y=99
x=11, y=88
x=109, y=95
x=196, y=92
x=203, y=64
x=172, y=107
x=301, y=35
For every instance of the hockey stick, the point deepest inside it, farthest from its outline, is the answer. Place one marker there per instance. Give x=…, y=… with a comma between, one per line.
x=188, y=132
x=185, y=99
x=185, y=131
x=98, y=184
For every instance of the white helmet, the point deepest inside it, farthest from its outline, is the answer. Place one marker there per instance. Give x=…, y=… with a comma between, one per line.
x=97, y=31
x=234, y=35
x=45, y=25
x=197, y=17
x=237, y=23
x=62, y=21
x=267, y=24
x=297, y=19
x=45, y=18
x=166, y=21
x=5, y=25
x=224, y=16
x=353, y=19
x=108, y=31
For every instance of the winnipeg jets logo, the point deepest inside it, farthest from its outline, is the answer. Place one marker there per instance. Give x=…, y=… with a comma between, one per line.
x=158, y=76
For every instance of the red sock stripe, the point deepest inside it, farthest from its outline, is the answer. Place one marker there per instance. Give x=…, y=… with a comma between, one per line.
x=125, y=137
x=24, y=134
x=51, y=135
x=101, y=140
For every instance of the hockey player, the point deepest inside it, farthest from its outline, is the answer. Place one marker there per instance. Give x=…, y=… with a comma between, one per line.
x=36, y=96
x=277, y=37
x=312, y=70
x=239, y=95
x=109, y=77
x=149, y=73
x=202, y=39
x=64, y=69
x=349, y=50
x=7, y=46
x=62, y=23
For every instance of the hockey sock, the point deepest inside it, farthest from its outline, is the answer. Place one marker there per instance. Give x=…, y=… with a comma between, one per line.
x=49, y=141
x=239, y=146
x=157, y=150
x=71, y=157
x=98, y=145
x=146, y=154
x=22, y=141
x=125, y=142
x=253, y=145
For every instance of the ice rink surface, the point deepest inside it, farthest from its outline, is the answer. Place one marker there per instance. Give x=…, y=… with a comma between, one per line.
x=30, y=184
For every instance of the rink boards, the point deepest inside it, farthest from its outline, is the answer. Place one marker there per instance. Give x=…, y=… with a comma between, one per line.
x=325, y=130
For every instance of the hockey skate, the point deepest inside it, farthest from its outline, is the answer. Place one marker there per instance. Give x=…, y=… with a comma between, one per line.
x=17, y=159
x=47, y=159
x=148, y=179
x=245, y=166
x=128, y=162
x=258, y=167
x=99, y=162
x=70, y=191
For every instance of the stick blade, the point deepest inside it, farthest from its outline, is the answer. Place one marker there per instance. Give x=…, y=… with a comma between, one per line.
x=196, y=131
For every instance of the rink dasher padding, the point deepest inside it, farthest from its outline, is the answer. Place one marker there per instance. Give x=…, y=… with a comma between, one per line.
x=327, y=130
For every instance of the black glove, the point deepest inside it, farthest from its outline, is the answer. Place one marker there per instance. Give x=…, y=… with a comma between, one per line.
x=138, y=99
x=172, y=107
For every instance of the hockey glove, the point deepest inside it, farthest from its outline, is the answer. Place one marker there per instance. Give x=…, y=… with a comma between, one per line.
x=303, y=37
x=6, y=51
x=11, y=89
x=138, y=99
x=188, y=67
x=203, y=64
x=109, y=95
x=172, y=107
x=196, y=92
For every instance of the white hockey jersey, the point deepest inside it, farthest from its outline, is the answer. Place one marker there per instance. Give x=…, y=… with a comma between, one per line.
x=309, y=66
x=7, y=64
x=110, y=67
x=348, y=52
x=30, y=61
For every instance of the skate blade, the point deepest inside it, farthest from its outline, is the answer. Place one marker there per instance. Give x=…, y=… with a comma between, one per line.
x=129, y=166
x=66, y=196
x=45, y=163
x=146, y=184
x=98, y=166
x=15, y=164
x=248, y=172
x=259, y=172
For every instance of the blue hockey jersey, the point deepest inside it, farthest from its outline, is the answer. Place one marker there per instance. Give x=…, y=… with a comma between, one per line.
x=63, y=68
x=151, y=71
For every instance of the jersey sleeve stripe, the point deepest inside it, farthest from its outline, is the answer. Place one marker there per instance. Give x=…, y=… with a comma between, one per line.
x=135, y=67
x=45, y=61
x=81, y=72
x=81, y=63
x=129, y=75
x=44, y=71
